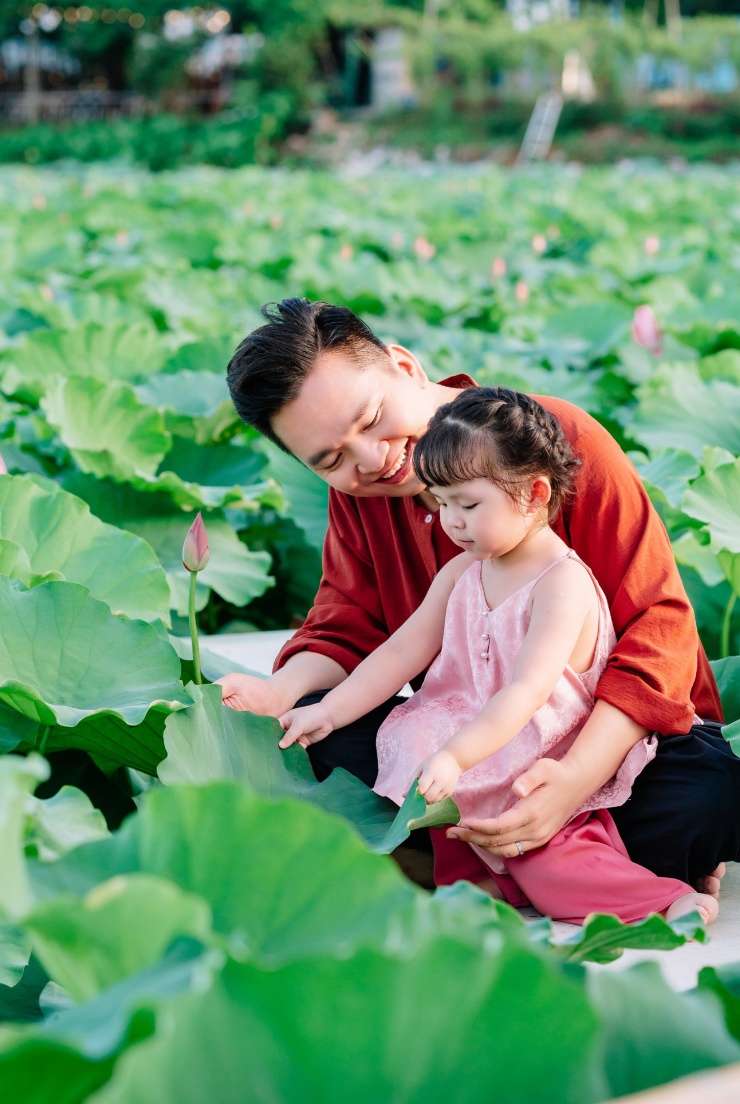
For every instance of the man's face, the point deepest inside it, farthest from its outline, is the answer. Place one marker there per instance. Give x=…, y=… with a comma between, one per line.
x=356, y=426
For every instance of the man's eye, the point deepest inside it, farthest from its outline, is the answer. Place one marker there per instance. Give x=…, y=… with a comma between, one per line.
x=373, y=423
x=334, y=464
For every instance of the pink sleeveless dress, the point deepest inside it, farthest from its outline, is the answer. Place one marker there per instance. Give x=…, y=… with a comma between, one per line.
x=585, y=867
x=479, y=651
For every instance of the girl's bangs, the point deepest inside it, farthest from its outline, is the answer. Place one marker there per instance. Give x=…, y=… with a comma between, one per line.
x=449, y=453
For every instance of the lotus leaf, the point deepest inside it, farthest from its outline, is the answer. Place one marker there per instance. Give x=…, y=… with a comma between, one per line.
x=59, y=536
x=64, y=657
x=714, y=498
x=105, y=427
x=117, y=351
x=679, y=410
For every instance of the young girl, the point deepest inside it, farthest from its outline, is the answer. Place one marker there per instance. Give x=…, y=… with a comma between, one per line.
x=517, y=632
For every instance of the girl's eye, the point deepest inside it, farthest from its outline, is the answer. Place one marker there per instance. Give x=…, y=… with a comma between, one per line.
x=470, y=507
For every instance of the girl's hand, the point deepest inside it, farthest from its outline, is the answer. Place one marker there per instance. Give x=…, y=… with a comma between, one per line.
x=549, y=792
x=251, y=694
x=305, y=726
x=438, y=776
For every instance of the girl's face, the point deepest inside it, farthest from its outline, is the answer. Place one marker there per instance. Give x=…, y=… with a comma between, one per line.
x=486, y=521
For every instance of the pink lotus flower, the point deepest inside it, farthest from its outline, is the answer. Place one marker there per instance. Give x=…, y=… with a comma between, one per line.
x=539, y=243
x=346, y=252
x=521, y=291
x=498, y=268
x=645, y=330
x=3, y=469
x=652, y=245
x=195, y=550
x=424, y=249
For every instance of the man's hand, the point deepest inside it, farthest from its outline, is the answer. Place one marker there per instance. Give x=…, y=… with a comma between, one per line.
x=251, y=694
x=306, y=726
x=438, y=776
x=550, y=792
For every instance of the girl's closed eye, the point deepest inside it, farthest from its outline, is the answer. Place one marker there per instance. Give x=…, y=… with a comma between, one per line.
x=472, y=506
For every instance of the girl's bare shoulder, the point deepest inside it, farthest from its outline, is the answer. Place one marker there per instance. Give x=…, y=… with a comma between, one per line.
x=568, y=580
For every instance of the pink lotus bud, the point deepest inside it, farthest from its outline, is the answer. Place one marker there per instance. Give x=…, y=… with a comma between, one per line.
x=195, y=550
x=521, y=291
x=539, y=243
x=39, y=202
x=276, y=220
x=498, y=268
x=346, y=252
x=645, y=330
x=652, y=245
x=3, y=469
x=424, y=249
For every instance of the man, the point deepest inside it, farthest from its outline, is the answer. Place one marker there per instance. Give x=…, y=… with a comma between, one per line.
x=320, y=384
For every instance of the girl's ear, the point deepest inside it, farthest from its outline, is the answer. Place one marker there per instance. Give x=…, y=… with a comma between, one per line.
x=540, y=493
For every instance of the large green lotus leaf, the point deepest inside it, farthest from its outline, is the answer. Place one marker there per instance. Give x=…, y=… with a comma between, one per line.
x=602, y=324
x=604, y=938
x=58, y=824
x=724, y=365
x=691, y=552
x=679, y=410
x=666, y=474
x=392, y=1037
x=15, y=729
x=714, y=498
x=105, y=427
x=214, y=742
x=291, y=881
x=108, y=737
x=212, y=354
x=59, y=534
x=65, y=657
x=727, y=674
x=194, y=404
x=15, y=950
x=653, y=1034
x=15, y=564
x=234, y=572
x=18, y=778
x=122, y=926
x=209, y=476
x=68, y=1056
x=117, y=351
x=724, y=982
x=307, y=495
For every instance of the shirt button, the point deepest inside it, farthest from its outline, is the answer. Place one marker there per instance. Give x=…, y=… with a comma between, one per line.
x=428, y=518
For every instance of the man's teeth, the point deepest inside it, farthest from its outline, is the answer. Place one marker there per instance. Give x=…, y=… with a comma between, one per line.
x=397, y=466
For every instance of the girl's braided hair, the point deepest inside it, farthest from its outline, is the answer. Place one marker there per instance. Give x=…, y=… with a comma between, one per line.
x=497, y=434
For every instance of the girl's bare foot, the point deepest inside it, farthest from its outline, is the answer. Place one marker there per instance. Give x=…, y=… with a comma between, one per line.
x=702, y=903
x=711, y=883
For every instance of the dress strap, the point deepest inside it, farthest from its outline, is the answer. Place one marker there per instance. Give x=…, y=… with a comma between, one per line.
x=569, y=555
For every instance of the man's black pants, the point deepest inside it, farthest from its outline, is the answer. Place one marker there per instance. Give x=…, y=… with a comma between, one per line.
x=681, y=821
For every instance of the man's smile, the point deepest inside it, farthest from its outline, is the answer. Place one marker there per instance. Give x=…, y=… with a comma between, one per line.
x=399, y=469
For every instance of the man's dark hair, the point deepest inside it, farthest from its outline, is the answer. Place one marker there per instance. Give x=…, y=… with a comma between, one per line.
x=270, y=365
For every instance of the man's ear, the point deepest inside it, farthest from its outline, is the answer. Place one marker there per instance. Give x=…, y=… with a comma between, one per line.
x=539, y=494
x=407, y=363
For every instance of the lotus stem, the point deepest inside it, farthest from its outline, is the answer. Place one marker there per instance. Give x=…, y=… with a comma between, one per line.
x=194, y=628
x=724, y=644
x=44, y=732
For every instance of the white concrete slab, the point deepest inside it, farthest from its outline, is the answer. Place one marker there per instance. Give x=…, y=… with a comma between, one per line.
x=680, y=967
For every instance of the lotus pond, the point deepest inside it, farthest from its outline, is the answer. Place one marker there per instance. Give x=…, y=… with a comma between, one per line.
x=243, y=935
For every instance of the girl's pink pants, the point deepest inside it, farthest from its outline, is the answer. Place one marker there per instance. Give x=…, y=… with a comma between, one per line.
x=584, y=868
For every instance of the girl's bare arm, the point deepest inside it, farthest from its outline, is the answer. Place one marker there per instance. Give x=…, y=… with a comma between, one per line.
x=403, y=656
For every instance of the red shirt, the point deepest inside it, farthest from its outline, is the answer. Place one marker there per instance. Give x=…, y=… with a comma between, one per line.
x=381, y=554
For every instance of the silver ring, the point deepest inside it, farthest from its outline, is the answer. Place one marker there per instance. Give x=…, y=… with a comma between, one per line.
x=519, y=847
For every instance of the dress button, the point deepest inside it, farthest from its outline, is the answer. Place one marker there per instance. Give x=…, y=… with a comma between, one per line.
x=484, y=655
x=484, y=636
x=428, y=518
